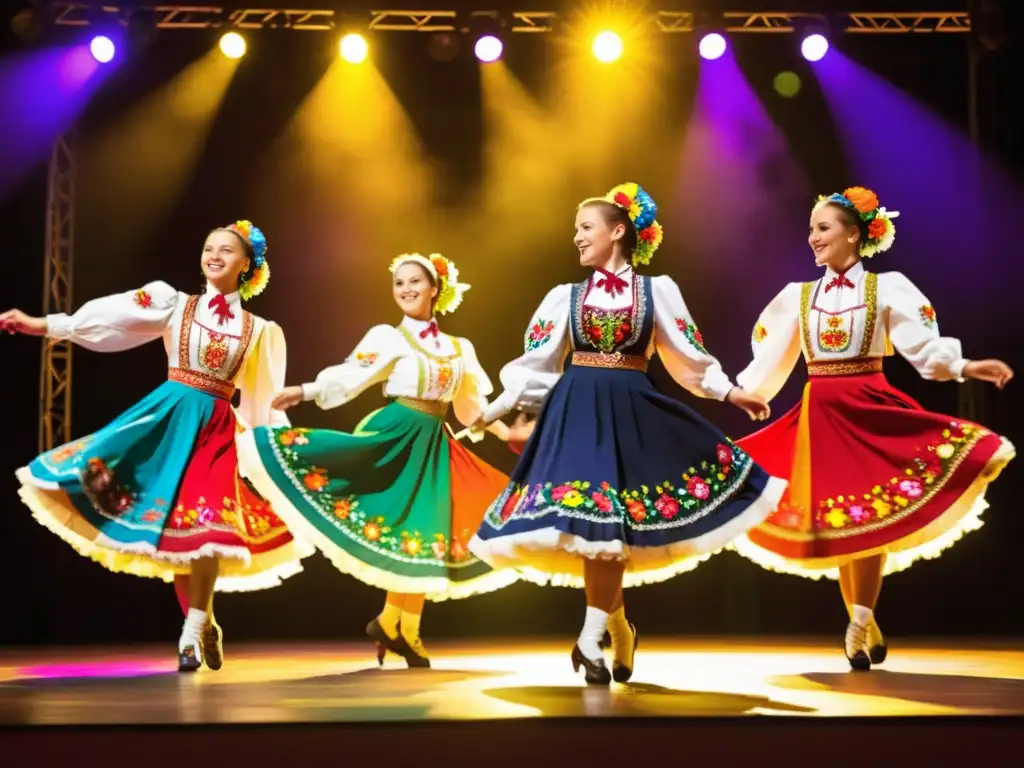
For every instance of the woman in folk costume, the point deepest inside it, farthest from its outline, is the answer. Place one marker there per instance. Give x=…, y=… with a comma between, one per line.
x=618, y=485
x=157, y=492
x=876, y=481
x=395, y=502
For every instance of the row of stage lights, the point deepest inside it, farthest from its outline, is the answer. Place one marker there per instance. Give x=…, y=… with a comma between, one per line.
x=606, y=46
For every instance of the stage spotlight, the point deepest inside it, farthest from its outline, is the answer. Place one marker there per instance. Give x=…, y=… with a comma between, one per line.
x=487, y=31
x=232, y=45
x=488, y=48
x=813, y=34
x=712, y=46
x=353, y=48
x=607, y=47
x=102, y=49
x=814, y=47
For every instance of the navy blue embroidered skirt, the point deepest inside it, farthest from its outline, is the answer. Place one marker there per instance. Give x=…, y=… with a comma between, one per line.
x=617, y=470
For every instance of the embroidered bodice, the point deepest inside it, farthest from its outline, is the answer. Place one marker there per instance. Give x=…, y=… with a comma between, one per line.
x=208, y=336
x=210, y=348
x=858, y=314
x=627, y=330
x=648, y=316
x=413, y=360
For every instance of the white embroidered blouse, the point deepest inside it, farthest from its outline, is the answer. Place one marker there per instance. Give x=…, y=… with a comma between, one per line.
x=231, y=346
x=857, y=315
x=414, y=360
x=528, y=379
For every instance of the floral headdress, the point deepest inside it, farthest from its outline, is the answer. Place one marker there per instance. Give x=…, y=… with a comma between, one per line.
x=877, y=229
x=255, y=279
x=449, y=290
x=642, y=210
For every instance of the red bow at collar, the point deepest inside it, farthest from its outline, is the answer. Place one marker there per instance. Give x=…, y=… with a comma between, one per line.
x=613, y=285
x=430, y=330
x=839, y=281
x=220, y=308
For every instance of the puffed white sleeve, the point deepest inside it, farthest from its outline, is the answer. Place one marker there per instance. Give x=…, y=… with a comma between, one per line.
x=370, y=362
x=118, y=322
x=775, y=342
x=263, y=378
x=527, y=380
x=680, y=345
x=471, y=398
x=914, y=330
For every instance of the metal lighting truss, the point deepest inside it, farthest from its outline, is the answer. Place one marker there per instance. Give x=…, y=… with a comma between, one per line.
x=212, y=17
x=55, y=369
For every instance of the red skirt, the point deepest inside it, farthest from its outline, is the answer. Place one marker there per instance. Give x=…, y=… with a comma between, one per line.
x=870, y=471
x=216, y=512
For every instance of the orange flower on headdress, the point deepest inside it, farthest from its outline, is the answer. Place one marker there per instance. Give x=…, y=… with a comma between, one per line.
x=876, y=228
x=441, y=266
x=864, y=200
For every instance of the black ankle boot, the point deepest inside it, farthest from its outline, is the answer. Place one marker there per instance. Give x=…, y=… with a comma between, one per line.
x=383, y=642
x=596, y=672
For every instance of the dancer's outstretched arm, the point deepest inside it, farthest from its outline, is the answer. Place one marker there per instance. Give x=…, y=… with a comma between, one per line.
x=775, y=344
x=107, y=324
x=370, y=363
x=687, y=360
x=528, y=379
x=914, y=333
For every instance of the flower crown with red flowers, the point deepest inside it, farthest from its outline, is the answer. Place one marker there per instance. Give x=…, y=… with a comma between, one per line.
x=875, y=222
x=642, y=210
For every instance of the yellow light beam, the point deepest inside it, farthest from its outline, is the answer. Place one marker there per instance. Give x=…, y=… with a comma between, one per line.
x=523, y=145
x=609, y=108
x=136, y=169
x=352, y=139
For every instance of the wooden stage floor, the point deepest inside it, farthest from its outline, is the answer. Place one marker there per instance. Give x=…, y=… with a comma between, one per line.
x=513, y=683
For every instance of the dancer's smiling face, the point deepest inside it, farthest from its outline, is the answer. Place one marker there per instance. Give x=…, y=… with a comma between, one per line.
x=604, y=235
x=225, y=257
x=834, y=236
x=414, y=290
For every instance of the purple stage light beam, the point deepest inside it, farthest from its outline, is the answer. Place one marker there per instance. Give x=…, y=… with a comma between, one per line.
x=46, y=90
x=740, y=193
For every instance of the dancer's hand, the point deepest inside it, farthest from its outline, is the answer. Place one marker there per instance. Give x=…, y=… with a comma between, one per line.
x=499, y=429
x=995, y=371
x=521, y=429
x=286, y=398
x=754, y=405
x=15, y=321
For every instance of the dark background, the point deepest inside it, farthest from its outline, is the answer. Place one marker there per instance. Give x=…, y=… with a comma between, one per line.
x=326, y=295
